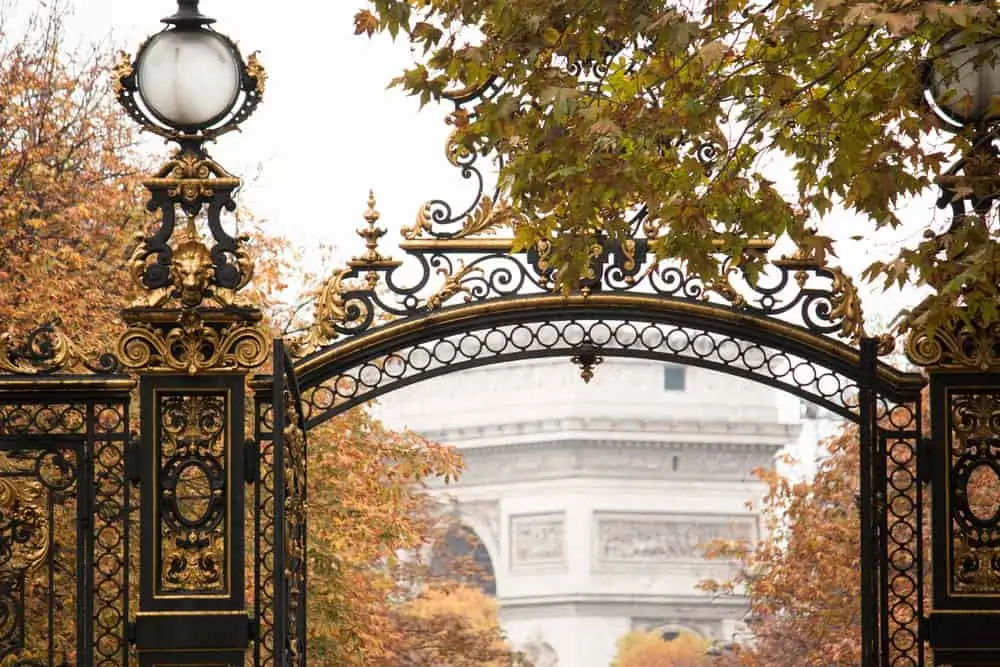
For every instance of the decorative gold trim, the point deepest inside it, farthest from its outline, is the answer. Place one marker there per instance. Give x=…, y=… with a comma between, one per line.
x=452, y=285
x=371, y=234
x=20, y=504
x=121, y=71
x=255, y=70
x=954, y=345
x=193, y=344
x=190, y=176
x=47, y=350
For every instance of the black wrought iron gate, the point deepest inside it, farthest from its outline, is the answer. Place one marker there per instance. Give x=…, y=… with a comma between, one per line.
x=65, y=519
x=280, y=518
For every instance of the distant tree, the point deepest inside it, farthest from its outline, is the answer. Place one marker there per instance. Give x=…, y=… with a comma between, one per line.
x=650, y=649
x=457, y=626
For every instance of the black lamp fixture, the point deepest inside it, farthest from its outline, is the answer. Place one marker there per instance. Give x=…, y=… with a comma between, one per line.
x=963, y=80
x=188, y=82
x=962, y=84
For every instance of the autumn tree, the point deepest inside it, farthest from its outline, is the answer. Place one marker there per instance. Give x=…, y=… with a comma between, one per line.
x=70, y=205
x=802, y=580
x=650, y=649
x=373, y=597
x=695, y=111
x=456, y=626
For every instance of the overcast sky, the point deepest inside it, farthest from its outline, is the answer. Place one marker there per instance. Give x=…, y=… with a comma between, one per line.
x=328, y=129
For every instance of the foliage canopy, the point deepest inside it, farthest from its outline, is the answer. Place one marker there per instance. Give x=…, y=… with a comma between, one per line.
x=805, y=107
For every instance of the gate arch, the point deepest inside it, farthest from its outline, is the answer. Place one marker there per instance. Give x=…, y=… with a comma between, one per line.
x=464, y=299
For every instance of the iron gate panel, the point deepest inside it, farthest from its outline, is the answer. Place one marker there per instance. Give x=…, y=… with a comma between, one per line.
x=65, y=519
x=280, y=519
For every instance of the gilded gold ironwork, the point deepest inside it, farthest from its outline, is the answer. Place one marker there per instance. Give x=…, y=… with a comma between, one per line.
x=486, y=219
x=453, y=285
x=24, y=529
x=190, y=176
x=192, y=544
x=191, y=341
x=371, y=234
x=256, y=72
x=587, y=359
x=122, y=71
x=974, y=446
x=294, y=477
x=955, y=344
x=48, y=349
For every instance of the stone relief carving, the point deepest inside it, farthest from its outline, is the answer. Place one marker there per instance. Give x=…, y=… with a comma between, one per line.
x=537, y=539
x=664, y=538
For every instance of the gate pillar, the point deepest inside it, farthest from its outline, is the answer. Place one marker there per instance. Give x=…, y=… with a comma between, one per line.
x=963, y=455
x=191, y=340
x=191, y=595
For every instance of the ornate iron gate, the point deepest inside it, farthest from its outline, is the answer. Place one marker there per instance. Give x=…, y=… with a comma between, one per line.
x=70, y=570
x=66, y=505
x=280, y=518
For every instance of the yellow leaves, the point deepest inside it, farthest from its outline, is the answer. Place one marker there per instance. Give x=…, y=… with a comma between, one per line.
x=551, y=36
x=365, y=23
x=650, y=649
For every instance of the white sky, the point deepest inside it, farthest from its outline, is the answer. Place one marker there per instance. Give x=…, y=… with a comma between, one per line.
x=328, y=129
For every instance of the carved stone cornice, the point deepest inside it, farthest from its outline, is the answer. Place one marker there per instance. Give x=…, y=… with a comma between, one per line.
x=661, y=430
x=569, y=459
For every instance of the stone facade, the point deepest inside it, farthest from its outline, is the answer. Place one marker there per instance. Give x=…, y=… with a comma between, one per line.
x=596, y=500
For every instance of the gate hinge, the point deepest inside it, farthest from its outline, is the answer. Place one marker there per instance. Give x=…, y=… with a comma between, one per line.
x=924, y=628
x=923, y=456
x=130, y=632
x=251, y=461
x=133, y=461
x=252, y=627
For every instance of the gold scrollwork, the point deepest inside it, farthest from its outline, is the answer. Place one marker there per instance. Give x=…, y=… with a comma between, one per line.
x=192, y=345
x=17, y=503
x=974, y=445
x=196, y=565
x=954, y=344
x=192, y=507
x=486, y=219
x=452, y=285
x=47, y=350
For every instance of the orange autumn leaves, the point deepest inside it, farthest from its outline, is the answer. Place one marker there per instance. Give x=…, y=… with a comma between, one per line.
x=649, y=649
x=69, y=201
x=373, y=600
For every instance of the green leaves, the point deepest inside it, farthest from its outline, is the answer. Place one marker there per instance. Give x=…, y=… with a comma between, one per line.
x=608, y=98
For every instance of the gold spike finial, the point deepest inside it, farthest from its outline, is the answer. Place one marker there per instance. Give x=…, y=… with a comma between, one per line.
x=372, y=258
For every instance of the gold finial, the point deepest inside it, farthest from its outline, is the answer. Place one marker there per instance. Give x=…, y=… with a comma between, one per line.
x=371, y=234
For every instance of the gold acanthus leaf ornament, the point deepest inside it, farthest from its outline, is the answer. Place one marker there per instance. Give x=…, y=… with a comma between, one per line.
x=486, y=219
x=452, y=285
x=192, y=346
x=954, y=344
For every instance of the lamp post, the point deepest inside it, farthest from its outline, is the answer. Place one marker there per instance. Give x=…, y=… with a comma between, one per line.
x=191, y=341
x=963, y=362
